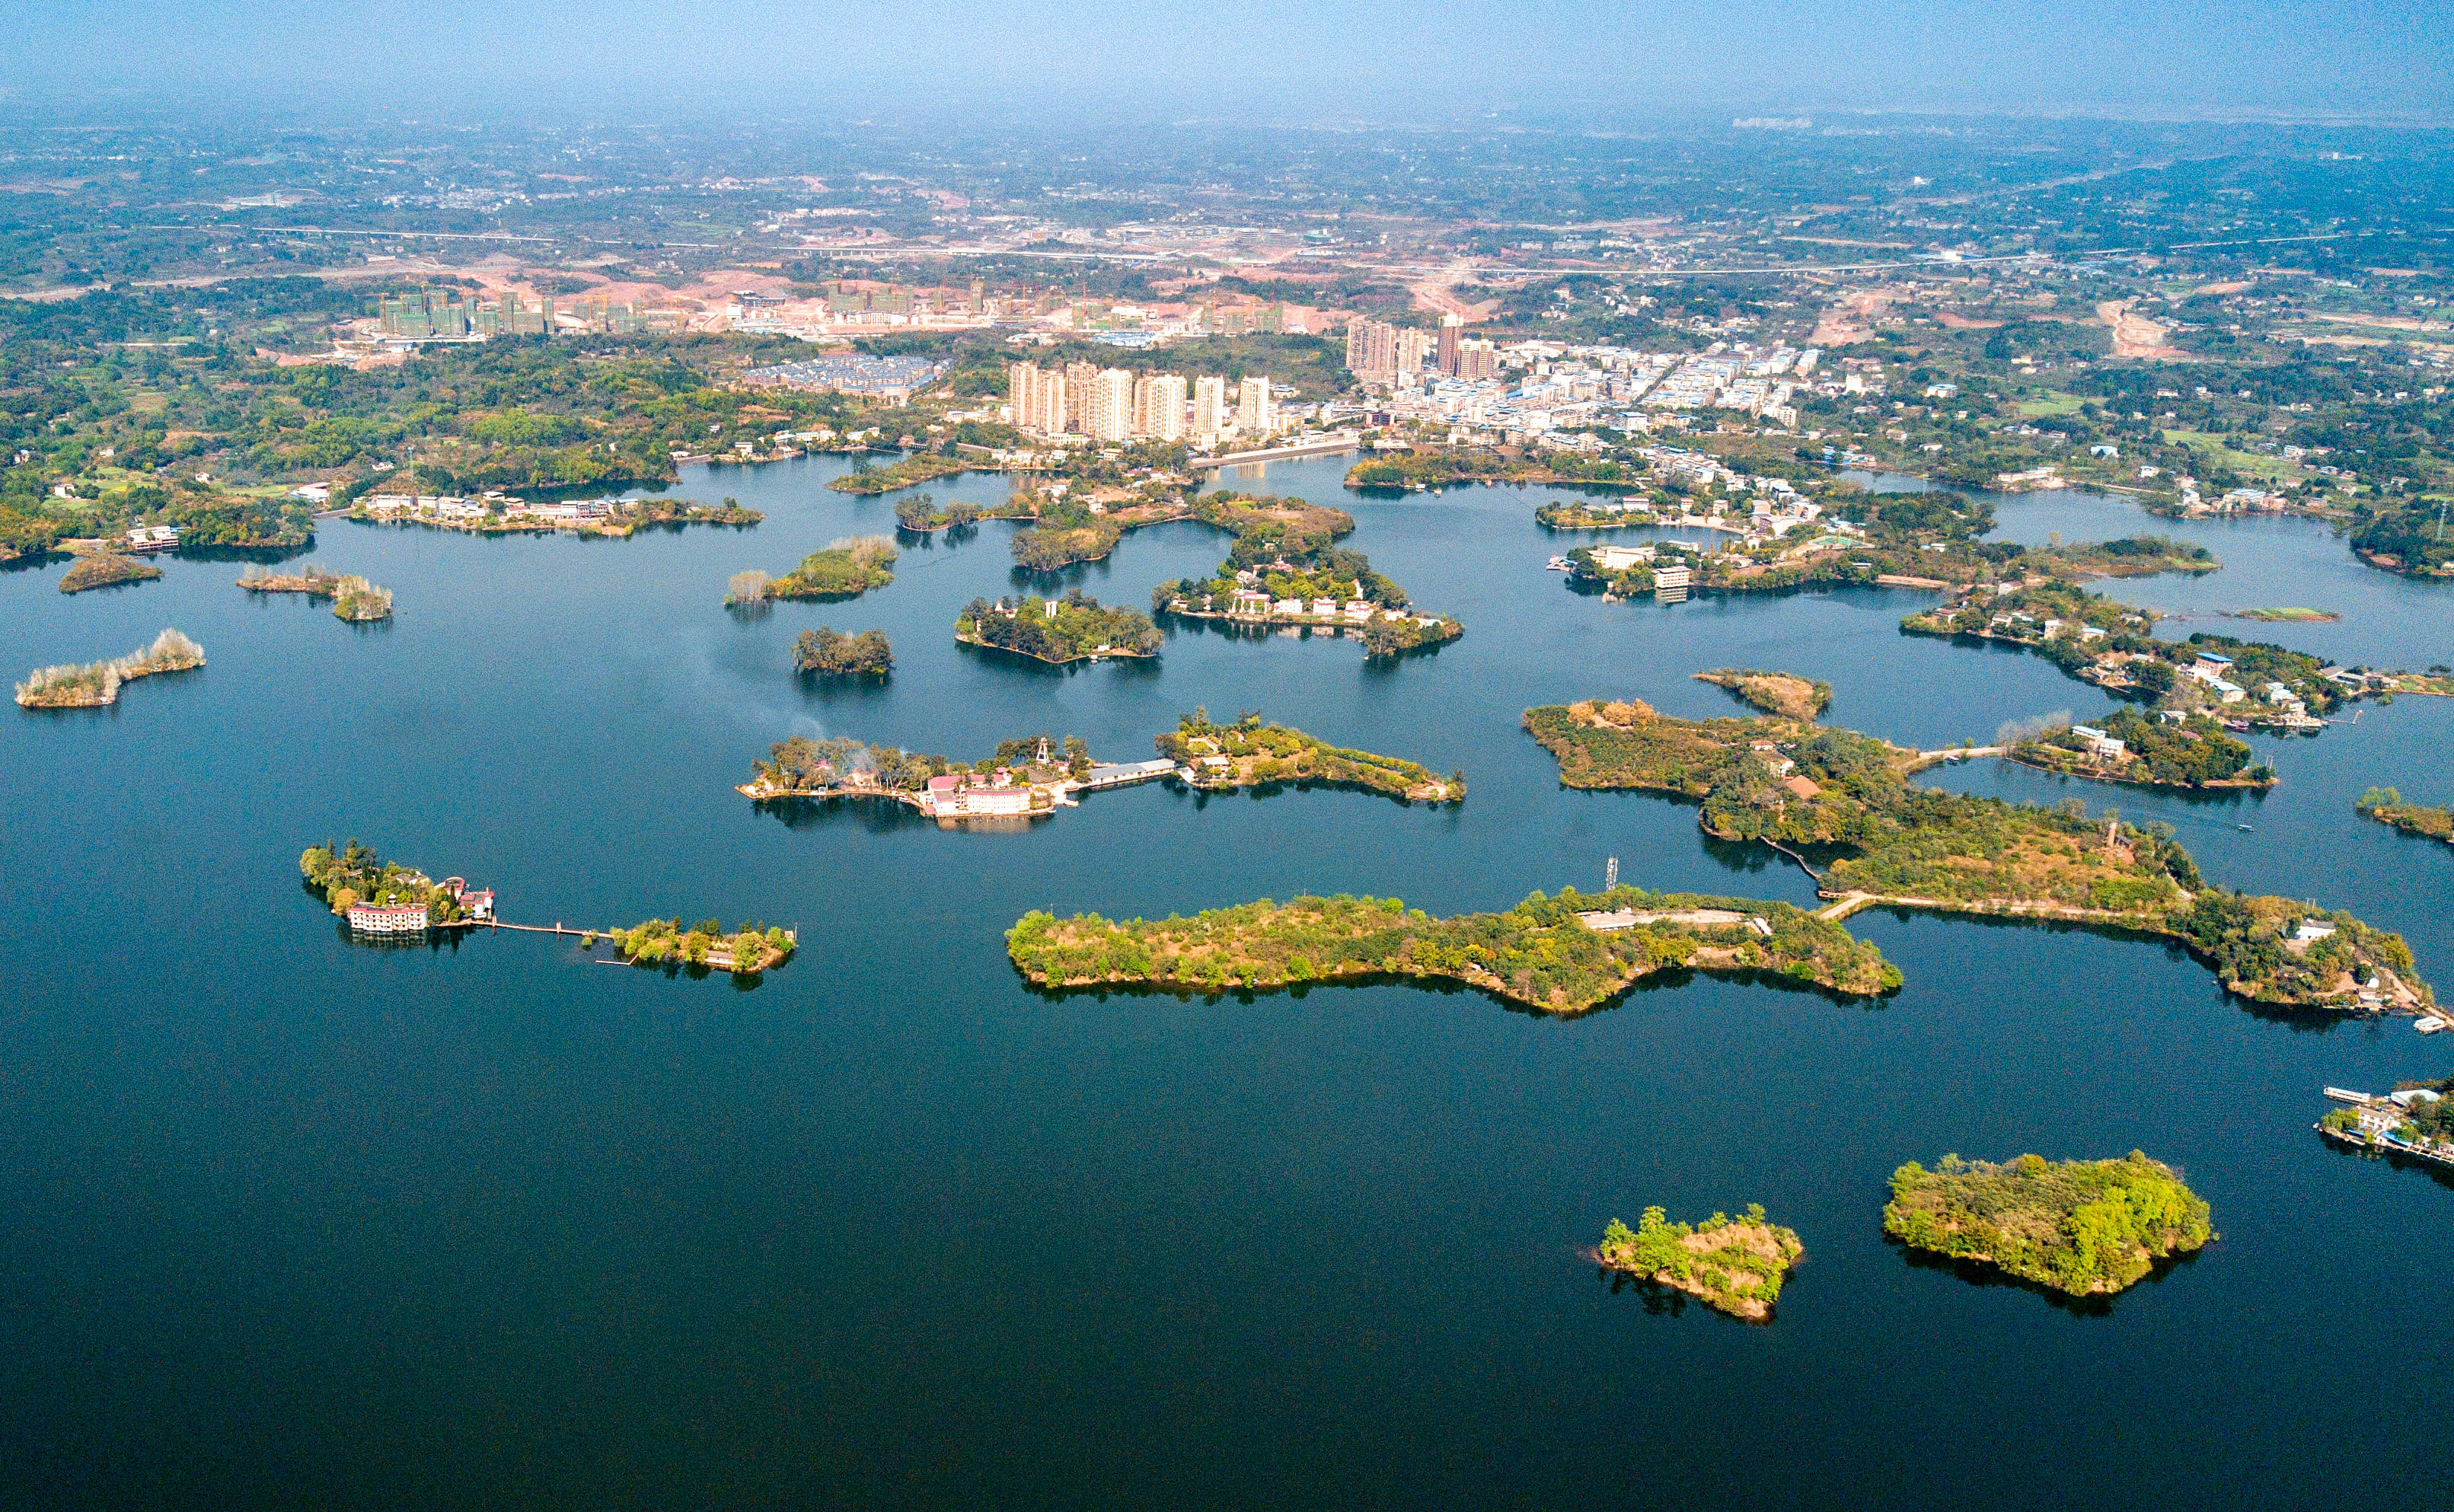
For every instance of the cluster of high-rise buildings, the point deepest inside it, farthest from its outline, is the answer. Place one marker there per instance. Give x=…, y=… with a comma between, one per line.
x=1377, y=350
x=440, y=314
x=443, y=315
x=1110, y=404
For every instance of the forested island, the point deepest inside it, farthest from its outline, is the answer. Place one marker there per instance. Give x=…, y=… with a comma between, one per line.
x=2082, y=1227
x=1439, y=468
x=1735, y=1265
x=2385, y=805
x=803, y=767
x=745, y=949
x=1075, y=628
x=1563, y=954
x=104, y=569
x=830, y=653
x=1285, y=570
x=1067, y=528
x=1789, y=783
x=96, y=684
x=845, y=568
x=920, y=514
x=355, y=874
x=1252, y=753
x=353, y=599
x=1792, y=698
x=1594, y=514
x=920, y=467
x=2176, y=750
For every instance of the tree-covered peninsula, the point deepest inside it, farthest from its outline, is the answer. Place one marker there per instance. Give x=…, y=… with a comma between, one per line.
x=842, y=569
x=1562, y=955
x=828, y=653
x=2181, y=750
x=354, y=874
x=1780, y=693
x=2111, y=644
x=96, y=684
x=1735, y=1265
x=1788, y=783
x=1252, y=753
x=103, y=570
x=1073, y=628
x=2385, y=805
x=2077, y=1226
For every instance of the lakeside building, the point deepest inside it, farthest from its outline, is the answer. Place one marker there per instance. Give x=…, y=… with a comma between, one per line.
x=1113, y=405
x=388, y=918
x=959, y=796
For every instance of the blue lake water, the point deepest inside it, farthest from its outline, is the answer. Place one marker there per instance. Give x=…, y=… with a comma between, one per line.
x=293, y=1222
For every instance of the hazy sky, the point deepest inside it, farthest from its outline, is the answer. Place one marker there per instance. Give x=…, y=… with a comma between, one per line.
x=1277, y=58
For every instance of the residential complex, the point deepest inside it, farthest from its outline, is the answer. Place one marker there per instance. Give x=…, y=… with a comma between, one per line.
x=1112, y=405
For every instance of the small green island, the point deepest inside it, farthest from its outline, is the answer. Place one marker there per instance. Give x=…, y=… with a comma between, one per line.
x=841, y=569
x=2082, y=1227
x=95, y=685
x=1073, y=628
x=921, y=514
x=1594, y=513
x=1250, y=753
x=1780, y=693
x=2385, y=805
x=1788, y=783
x=745, y=951
x=1564, y=955
x=103, y=570
x=403, y=899
x=1734, y=1265
x=353, y=599
x=920, y=467
x=2291, y=616
x=2174, y=751
x=827, y=652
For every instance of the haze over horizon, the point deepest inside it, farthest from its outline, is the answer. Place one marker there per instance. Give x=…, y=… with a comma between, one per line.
x=1273, y=60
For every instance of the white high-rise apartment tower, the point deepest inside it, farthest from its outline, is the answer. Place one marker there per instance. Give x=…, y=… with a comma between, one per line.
x=1209, y=408
x=1255, y=414
x=1111, y=413
x=1158, y=407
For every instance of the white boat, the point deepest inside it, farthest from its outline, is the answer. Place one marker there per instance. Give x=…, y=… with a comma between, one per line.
x=1558, y=564
x=2429, y=1026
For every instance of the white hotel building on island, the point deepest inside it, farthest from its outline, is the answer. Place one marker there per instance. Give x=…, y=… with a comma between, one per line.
x=388, y=918
x=412, y=918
